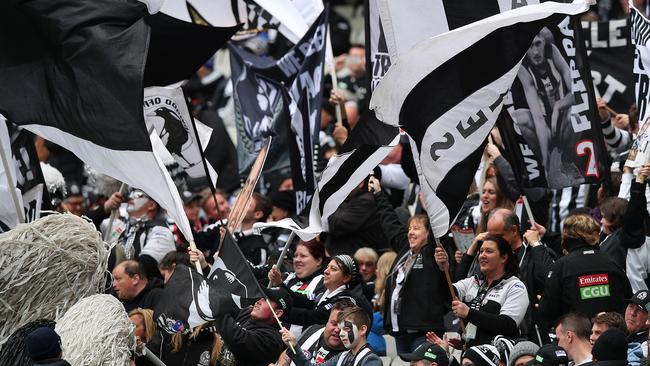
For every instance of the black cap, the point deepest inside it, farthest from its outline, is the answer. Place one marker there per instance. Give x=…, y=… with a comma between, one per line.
x=43, y=343
x=641, y=299
x=429, y=352
x=188, y=197
x=551, y=355
x=610, y=346
x=280, y=296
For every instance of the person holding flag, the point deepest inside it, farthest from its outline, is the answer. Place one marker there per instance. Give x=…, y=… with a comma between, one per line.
x=494, y=302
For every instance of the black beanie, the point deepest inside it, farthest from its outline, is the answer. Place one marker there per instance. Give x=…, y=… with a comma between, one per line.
x=610, y=346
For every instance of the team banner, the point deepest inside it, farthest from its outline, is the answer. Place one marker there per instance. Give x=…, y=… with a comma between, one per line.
x=553, y=107
x=377, y=56
x=610, y=53
x=263, y=105
x=29, y=177
x=639, y=152
x=261, y=110
x=166, y=113
x=306, y=97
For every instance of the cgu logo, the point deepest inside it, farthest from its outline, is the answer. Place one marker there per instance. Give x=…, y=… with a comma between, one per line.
x=594, y=292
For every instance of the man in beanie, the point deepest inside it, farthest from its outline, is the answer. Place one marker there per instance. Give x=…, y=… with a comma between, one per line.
x=427, y=354
x=522, y=352
x=44, y=347
x=481, y=355
x=610, y=348
x=551, y=355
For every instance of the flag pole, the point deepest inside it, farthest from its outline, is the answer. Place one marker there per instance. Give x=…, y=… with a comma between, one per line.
x=451, y=287
x=277, y=319
x=10, y=184
x=335, y=82
x=211, y=184
x=529, y=212
x=284, y=252
x=112, y=218
x=244, y=196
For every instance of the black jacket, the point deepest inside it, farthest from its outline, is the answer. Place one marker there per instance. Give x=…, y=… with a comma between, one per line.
x=424, y=297
x=632, y=234
x=147, y=298
x=587, y=281
x=306, y=311
x=354, y=225
x=251, y=342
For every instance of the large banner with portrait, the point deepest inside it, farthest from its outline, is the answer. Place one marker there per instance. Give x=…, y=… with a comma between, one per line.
x=553, y=109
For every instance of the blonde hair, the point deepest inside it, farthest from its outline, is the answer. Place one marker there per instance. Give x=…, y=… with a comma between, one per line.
x=384, y=265
x=147, y=320
x=582, y=227
x=366, y=252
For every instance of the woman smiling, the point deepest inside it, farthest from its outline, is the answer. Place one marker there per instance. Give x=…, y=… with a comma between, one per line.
x=494, y=302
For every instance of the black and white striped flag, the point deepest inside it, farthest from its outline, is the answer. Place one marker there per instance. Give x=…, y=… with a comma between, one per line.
x=447, y=91
x=368, y=144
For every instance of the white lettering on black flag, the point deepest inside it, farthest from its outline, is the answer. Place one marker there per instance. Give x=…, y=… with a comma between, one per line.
x=640, y=38
x=447, y=92
x=610, y=53
x=264, y=107
x=553, y=107
x=378, y=58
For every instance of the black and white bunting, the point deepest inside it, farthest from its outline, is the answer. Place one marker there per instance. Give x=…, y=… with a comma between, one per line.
x=448, y=102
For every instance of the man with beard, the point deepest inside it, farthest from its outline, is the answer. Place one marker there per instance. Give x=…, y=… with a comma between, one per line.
x=320, y=343
x=353, y=325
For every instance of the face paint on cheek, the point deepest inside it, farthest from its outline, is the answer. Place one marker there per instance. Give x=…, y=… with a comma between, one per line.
x=138, y=203
x=349, y=333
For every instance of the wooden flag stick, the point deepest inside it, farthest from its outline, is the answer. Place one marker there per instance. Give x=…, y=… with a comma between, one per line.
x=245, y=194
x=277, y=320
x=611, y=111
x=451, y=287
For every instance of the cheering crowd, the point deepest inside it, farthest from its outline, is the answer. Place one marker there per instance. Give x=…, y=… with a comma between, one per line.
x=504, y=287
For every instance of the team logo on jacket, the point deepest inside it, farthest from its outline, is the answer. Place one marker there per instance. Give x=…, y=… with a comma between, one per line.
x=593, y=286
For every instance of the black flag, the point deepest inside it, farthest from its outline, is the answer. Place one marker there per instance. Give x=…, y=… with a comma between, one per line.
x=73, y=71
x=190, y=299
x=282, y=98
x=610, y=53
x=553, y=106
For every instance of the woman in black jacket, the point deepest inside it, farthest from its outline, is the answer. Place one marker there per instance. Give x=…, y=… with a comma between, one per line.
x=342, y=281
x=416, y=295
